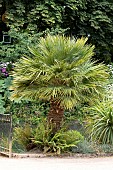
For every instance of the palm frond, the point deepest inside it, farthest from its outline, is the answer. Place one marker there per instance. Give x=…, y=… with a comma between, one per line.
x=59, y=67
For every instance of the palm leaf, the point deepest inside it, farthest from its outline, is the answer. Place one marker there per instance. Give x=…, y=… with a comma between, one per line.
x=59, y=67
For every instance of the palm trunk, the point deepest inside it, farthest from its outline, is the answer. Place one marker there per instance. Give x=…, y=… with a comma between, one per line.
x=56, y=114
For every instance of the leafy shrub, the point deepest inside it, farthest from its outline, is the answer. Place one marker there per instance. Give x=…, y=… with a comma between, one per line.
x=22, y=135
x=4, y=141
x=28, y=20
x=85, y=147
x=44, y=139
x=62, y=140
x=27, y=112
x=105, y=148
x=89, y=147
x=100, y=122
x=5, y=82
x=77, y=113
x=4, y=93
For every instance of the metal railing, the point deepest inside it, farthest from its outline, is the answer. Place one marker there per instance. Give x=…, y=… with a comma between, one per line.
x=6, y=134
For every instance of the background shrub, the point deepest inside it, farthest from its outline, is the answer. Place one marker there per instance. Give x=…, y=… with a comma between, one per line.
x=22, y=136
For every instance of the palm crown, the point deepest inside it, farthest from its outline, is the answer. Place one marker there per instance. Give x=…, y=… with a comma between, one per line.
x=59, y=68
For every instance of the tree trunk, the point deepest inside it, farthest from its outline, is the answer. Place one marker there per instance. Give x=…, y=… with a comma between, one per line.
x=56, y=114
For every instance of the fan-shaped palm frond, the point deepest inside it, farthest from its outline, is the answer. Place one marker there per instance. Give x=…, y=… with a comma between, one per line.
x=60, y=69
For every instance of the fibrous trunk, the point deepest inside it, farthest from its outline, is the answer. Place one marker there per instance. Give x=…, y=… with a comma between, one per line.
x=56, y=114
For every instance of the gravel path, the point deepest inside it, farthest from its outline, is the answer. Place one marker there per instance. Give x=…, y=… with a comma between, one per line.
x=56, y=163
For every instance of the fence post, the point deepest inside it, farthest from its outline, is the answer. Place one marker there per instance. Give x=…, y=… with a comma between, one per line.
x=10, y=136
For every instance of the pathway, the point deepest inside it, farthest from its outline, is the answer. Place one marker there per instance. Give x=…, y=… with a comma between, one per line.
x=56, y=163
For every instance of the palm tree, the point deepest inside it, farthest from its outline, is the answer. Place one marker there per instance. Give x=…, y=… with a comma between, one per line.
x=60, y=71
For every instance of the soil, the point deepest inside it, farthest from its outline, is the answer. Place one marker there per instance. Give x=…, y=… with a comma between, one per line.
x=65, y=155
x=36, y=153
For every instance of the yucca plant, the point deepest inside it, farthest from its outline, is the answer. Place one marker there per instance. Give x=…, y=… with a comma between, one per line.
x=60, y=71
x=100, y=122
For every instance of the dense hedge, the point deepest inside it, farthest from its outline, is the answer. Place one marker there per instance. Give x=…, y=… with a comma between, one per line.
x=30, y=19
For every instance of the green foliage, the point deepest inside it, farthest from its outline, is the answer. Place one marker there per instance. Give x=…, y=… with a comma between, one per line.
x=44, y=139
x=4, y=142
x=95, y=20
x=88, y=147
x=28, y=20
x=23, y=135
x=85, y=147
x=26, y=112
x=60, y=142
x=23, y=140
x=77, y=113
x=100, y=122
x=110, y=66
x=61, y=68
x=106, y=148
x=4, y=93
x=2, y=103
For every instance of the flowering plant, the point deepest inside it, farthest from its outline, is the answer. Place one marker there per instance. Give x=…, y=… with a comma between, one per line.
x=4, y=69
x=5, y=81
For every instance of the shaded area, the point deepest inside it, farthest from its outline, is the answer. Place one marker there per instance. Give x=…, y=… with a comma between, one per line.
x=5, y=133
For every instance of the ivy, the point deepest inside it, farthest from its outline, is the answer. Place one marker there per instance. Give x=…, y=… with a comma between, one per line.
x=4, y=93
x=30, y=19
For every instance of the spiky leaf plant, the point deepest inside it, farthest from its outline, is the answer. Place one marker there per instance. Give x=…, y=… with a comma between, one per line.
x=100, y=122
x=59, y=70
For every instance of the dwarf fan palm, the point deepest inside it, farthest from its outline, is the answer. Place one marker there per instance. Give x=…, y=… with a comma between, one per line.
x=59, y=70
